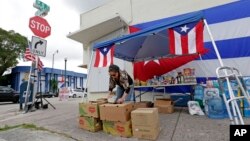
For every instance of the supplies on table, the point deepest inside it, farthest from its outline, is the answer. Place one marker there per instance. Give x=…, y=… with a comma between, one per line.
x=189, y=75
x=89, y=118
x=164, y=105
x=145, y=123
x=116, y=119
x=180, y=78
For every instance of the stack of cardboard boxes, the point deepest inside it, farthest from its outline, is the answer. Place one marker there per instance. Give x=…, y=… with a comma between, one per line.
x=120, y=119
x=89, y=116
x=116, y=119
x=164, y=105
x=145, y=123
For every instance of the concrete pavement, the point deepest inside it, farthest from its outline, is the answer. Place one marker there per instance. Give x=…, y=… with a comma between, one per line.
x=179, y=126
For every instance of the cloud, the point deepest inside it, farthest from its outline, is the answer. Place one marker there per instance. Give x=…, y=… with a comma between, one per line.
x=64, y=17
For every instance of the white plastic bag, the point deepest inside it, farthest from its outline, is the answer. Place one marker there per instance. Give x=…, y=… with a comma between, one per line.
x=194, y=108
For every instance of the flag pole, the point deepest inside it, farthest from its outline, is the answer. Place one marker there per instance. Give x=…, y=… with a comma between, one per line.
x=85, y=97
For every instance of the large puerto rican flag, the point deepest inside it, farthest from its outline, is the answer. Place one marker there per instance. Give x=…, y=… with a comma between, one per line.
x=104, y=56
x=186, y=39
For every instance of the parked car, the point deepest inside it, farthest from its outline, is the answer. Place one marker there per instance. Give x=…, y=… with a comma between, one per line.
x=8, y=94
x=76, y=93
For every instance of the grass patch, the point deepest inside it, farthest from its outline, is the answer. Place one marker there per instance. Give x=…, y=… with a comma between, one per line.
x=33, y=127
x=7, y=127
x=25, y=126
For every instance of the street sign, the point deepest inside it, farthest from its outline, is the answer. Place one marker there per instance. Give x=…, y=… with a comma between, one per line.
x=38, y=46
x=39, y=26
x=43, y=8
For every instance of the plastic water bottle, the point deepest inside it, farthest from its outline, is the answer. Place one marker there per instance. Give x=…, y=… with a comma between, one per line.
x=199, y=94
x=216, y=109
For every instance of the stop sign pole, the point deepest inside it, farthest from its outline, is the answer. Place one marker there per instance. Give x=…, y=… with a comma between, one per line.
x=39, y=26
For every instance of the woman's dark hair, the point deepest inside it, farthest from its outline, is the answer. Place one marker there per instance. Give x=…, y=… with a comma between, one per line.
x=114, y=68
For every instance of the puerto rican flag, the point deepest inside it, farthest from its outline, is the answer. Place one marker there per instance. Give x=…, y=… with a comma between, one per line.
x=104, y=56
x=187, y=38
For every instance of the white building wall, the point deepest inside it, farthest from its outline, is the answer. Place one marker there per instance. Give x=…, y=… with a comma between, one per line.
x=132, y=12
x=100, y=14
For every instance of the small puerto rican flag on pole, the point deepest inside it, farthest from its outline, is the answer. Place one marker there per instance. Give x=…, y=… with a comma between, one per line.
x=104, y=56
x=187, y=38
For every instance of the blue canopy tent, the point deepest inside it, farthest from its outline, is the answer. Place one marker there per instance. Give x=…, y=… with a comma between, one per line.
x=150, y=43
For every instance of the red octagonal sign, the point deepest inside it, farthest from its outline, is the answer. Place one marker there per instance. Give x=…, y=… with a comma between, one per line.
x=39, y=26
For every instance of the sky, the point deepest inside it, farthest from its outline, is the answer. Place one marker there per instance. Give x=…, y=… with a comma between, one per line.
x=64, y=17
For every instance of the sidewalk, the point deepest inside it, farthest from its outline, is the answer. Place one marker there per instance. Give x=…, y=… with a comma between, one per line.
x=179, y=126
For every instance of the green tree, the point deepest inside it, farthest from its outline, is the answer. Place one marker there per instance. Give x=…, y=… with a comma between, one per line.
x=12, y=48
x=53, y=85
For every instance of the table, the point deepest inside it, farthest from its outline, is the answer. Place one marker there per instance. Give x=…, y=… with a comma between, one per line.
x=161, y=86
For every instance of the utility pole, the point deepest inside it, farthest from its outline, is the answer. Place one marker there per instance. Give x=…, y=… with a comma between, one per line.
x=52, y=71
x=65, y=70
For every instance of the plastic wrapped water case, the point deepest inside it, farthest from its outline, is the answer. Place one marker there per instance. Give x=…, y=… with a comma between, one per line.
x=216, y=108
x=199, y=94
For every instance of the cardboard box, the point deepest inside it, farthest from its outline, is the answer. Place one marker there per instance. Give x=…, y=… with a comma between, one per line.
x=165, y=109
x=90, y=124
x=164, y=105
x=116, y=112
x=145, y=117
x=142, y=104
x=90, y=109
x=102, y=100
x=146, y=132
x=117, y=128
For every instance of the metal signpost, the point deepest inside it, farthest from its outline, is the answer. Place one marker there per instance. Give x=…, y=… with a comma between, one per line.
x=41, y=28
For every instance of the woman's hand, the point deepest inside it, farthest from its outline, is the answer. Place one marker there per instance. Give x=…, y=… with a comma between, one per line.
x=120, y=100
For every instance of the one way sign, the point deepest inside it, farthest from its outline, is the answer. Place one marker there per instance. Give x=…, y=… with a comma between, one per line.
x=38, y=46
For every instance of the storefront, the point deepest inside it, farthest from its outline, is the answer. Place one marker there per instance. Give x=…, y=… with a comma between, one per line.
x=73, y=79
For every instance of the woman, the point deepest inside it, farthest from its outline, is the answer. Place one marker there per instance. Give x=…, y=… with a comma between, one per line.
x=125, y=87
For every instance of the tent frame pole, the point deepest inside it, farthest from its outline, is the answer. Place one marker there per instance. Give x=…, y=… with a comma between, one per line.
x=235, y=107
x=213, y=42
x=85, y=97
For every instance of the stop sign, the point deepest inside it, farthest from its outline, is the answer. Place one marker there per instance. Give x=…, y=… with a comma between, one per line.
x=39, y=26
